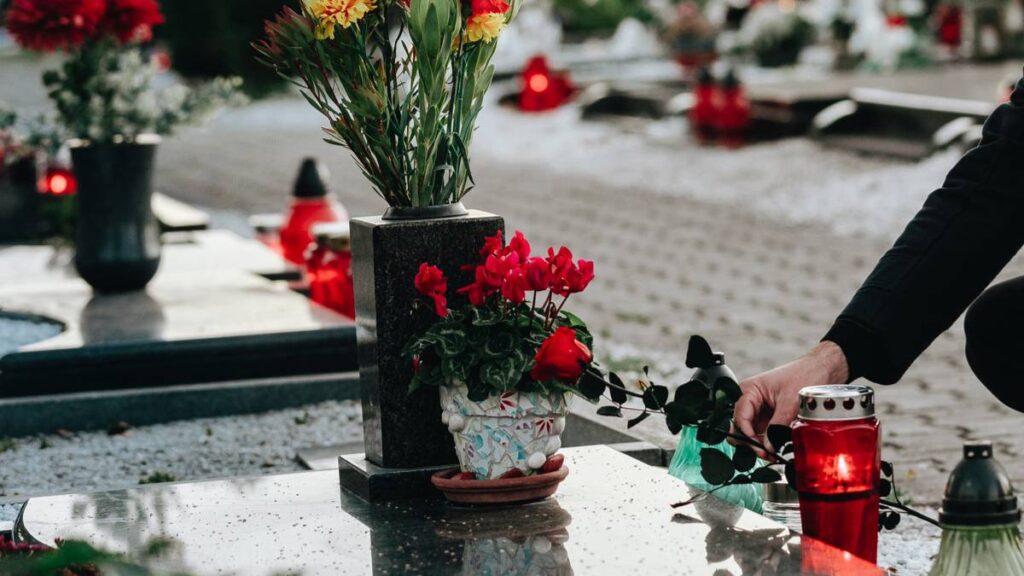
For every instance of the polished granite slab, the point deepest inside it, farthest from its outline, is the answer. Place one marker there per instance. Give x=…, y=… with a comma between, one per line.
x=610, y=516
x=208, y=316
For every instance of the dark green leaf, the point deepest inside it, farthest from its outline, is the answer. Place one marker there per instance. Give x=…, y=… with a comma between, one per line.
x=886, y=469
x=709, y=435
x=655, y=397
x=618, y=395
x=765, y=475
x=591, y=386
x=741, y=479
x=499, y=344
x=779, y=435
x=693, y=393
x=453, y=369
x=681, y=413
x=715, y=466
x=501, y=374
x=730, y=387
x=786, y=449
x=744, y=458
x=884, y=487
x=674, y=426
x=610, y=411
x=450, y=343
x=888, y=520
x=791, y=473
x=478, y=391
x=643, y=416
x=699, y=354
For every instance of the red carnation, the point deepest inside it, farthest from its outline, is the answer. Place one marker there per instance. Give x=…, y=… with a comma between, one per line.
x=48, y=25
x=489, y=7
x=430, y=282
x=561, y=357
x=132, y=20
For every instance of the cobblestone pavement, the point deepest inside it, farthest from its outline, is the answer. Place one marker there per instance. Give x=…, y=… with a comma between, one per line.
x=760, y=289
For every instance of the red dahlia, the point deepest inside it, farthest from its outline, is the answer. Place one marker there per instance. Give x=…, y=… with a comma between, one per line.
x=47, y=25
x=132, y=20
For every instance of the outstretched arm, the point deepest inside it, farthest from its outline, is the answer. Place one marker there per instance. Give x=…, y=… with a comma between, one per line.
x=963, y=236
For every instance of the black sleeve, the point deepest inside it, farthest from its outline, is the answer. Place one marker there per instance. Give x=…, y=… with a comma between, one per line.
x=963, y=236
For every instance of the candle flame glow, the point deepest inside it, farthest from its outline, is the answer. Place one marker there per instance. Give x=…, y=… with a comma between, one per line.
x=842, y=467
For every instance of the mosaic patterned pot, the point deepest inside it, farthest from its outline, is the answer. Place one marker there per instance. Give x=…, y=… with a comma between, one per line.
x=506, y=431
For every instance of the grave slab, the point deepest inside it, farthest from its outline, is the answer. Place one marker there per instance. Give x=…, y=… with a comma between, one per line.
x=611, y=516
x=208, y=316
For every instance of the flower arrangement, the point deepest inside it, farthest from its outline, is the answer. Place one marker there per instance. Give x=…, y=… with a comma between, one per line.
x=514, y=333
x=102, y=92
x=405, y=104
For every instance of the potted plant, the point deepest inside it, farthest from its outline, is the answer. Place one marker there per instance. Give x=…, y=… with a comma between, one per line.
x=400, y=84
x=104, y=103
x=507, y=362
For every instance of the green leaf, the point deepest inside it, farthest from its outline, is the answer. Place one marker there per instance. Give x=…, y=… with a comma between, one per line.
x=886, y=469
x=698, y=353
x=741, y=479
x=744, y=458
x=730, y=387
x=450, y=342
x=615, y=390
x=715, y=466
x=502, y=374
x=681, y=414
x=610, y=411
x=655, y=397
x=709, y=435
x=591, y=386
x=499, y=344
x=643, y=416
x=884, y=488
x=765, y=475
x=693, y=393
x=453, y=369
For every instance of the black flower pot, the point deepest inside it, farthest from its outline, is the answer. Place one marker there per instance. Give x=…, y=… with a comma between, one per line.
x=403, y=430
x=117, y=241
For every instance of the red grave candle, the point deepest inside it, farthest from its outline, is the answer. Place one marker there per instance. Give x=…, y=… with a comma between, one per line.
x=329, y=268
x=837, y=447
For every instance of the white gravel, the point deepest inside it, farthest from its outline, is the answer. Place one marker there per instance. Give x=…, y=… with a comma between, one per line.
x=794, y=180
x=192, y=450
x=18, y=332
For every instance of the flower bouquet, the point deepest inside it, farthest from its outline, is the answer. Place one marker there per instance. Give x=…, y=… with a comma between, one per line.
x=405, y=104
x=104, y=102
x=506, y=362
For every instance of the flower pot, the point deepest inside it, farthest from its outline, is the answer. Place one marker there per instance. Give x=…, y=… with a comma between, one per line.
x=403, y=429
x=117, y=240
x=513, y=430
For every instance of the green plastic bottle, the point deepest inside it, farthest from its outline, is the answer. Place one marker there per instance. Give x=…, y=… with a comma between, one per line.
x=685, y=463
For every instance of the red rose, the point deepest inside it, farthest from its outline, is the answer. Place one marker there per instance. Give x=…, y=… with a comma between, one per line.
x=538, y=274
x=132, y=20
x=47, y=25
x=430, y=282
x=561, y=357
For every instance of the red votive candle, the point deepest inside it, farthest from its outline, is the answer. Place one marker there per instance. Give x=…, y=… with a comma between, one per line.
x=329, y=268
x=838, y=459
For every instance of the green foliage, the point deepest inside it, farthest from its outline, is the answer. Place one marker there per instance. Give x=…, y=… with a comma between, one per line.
x=490, y=350
x=102, y=93
x=584, y=17
x=405, y=110
x=77, y=558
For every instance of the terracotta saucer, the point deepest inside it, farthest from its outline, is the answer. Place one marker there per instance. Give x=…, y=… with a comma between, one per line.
x=500, y=491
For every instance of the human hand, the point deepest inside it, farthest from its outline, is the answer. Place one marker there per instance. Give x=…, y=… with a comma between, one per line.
x=773, y=397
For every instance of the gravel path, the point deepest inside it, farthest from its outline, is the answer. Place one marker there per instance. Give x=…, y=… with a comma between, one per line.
x=193, y=450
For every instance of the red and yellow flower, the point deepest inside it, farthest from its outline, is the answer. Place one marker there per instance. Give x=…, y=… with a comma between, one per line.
x=486, y=21
x=330, y=14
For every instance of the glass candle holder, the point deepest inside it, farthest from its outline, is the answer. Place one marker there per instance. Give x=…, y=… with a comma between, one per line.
x=329, y=268
x=838, y=461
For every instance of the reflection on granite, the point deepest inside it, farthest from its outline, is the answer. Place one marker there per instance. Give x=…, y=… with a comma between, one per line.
x=611, y=516
x=207, y=316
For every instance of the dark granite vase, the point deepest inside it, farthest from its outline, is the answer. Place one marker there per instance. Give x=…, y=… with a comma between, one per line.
x=403, y=430
x=117, y=239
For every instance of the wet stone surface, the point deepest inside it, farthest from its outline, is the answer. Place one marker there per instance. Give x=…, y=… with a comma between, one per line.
x=611, y=516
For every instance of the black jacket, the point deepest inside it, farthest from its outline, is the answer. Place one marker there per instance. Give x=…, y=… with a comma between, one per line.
x=964, y=235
